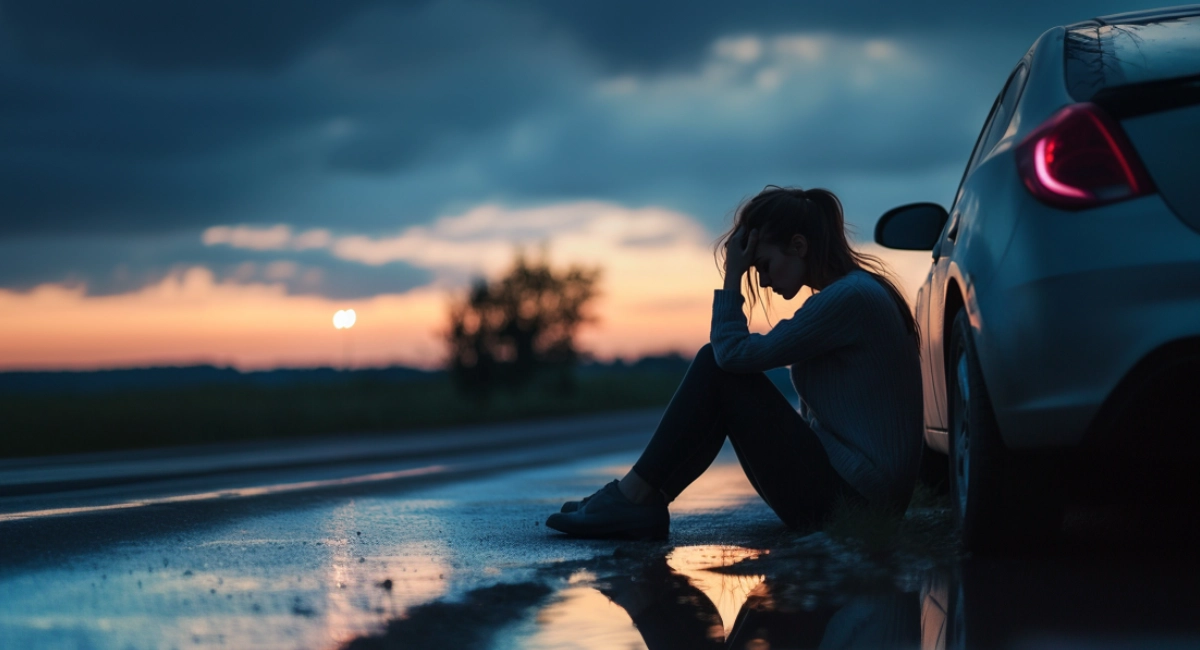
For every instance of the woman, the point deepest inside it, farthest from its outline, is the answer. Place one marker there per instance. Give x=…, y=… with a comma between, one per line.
x=853, y=352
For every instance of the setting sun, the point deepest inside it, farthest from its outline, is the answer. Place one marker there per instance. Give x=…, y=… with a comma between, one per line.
x=344, y=319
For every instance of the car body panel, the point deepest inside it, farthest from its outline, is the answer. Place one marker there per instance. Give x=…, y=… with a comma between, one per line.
x=969, y=235
x=1035, y=281
x=1167, y=143
x=1077, y=275
x=1055, y=258
x=1081, y=298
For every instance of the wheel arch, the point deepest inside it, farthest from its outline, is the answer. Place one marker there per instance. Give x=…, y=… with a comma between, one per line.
x=954, y=304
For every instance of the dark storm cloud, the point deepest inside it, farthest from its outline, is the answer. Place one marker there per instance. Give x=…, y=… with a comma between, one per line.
x=104, y=151
x=433, y=81
x=181, y=35
x=652, y=36
x=133, y=147
x=149, y=119
x=626, y=34
x=110, y=266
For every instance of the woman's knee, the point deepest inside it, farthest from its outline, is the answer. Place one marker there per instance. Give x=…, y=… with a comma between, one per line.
x=706, y=356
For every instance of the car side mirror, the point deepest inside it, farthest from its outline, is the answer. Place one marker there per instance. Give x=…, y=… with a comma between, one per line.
x=912, y=227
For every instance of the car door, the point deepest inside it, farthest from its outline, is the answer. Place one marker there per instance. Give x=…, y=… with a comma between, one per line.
x=935, y=319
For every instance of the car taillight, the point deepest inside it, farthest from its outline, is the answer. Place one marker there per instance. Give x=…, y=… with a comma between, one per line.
x=1080, y=158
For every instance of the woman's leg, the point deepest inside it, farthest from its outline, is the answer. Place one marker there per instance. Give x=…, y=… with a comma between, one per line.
x=690, y=434
x=781, y=455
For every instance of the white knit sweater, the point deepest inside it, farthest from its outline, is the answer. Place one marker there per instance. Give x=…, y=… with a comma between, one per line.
x=858, y=374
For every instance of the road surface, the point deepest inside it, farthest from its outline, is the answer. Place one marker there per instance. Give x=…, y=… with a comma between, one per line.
x=436, y=540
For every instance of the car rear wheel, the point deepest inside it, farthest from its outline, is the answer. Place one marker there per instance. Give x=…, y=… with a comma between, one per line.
x=1002, y=501
x=934, y=472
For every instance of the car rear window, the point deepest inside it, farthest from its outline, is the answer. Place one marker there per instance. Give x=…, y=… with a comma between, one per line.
x=1103, y=56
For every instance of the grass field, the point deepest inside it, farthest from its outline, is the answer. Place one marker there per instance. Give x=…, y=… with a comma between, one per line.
x=56, y=424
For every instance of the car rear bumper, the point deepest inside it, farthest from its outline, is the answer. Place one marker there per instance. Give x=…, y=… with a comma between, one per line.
x=1077, y=302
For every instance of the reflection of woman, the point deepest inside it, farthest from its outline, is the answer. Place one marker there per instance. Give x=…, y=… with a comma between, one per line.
x=852, y=348
x=672, y=614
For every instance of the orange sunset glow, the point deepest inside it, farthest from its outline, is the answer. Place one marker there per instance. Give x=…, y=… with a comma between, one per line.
x=658, y=277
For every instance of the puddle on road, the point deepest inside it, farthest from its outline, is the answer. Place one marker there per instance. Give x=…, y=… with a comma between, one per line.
x=690, y=598
x=582, y=617
x=602, y=611
x=700, y=597
x=728, y=592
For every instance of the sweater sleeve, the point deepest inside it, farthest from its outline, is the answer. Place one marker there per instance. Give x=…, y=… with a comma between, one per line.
x=827, y=321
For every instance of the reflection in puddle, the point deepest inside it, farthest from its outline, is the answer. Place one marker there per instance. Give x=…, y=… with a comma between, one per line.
x=727, y=591
x=675, y=601
x=935, y=608
x=661, y=603
x=582, y=618
x=678, y=601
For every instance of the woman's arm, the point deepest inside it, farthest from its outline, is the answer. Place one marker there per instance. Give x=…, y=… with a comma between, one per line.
x=828, y=320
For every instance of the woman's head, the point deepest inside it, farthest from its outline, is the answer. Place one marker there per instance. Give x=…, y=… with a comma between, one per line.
x=807, y=226
x=802, y=242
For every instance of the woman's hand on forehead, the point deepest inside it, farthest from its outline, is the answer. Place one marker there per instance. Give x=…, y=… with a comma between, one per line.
x=739, y=258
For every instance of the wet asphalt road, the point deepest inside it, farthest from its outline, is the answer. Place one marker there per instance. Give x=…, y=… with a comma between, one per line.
x=192, y=563
x=447, y=549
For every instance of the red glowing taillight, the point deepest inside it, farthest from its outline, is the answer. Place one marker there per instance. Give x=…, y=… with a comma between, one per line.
x=1080, y=158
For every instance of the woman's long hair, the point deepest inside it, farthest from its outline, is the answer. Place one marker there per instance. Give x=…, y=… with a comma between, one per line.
x=779, y=213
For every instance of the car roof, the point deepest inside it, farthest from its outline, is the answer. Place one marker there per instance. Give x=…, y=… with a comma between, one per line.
x=1140, y=16
x=1131, y=50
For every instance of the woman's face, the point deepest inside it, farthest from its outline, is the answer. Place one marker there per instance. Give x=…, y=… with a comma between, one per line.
x=782, y=268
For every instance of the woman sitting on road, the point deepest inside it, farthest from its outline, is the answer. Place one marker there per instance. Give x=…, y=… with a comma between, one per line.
x=853, y=352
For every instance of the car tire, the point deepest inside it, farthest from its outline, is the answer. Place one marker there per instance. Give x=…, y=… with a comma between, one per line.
x=1002, y=501
x=935, y=470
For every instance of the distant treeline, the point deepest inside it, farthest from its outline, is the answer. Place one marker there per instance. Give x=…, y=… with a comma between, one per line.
x=177, y=377
x=171, y=378
x=67, y=412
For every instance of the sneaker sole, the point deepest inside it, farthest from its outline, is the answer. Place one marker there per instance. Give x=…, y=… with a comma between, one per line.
x=565, y=523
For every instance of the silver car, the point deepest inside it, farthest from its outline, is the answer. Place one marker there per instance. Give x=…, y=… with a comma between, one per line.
x=1061, y=314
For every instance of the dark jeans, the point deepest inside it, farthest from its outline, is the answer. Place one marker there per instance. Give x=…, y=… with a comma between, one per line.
x=780, y=454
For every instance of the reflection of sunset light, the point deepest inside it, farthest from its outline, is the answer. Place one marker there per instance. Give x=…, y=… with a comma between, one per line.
x=582, y=618
x=344, y=319
x=727, y=592
x=359, y=607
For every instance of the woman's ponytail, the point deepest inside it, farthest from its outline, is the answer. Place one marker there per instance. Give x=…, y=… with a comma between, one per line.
x=778, y=213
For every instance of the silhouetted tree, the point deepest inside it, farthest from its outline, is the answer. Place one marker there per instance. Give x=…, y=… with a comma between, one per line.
x=521, y=326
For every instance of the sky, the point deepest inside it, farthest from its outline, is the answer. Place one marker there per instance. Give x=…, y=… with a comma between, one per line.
x=210, y=181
